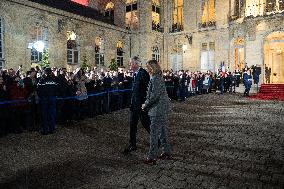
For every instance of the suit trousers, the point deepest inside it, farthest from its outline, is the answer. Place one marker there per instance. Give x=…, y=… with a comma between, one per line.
x=48, y=110
x=135, y=115
x=159, y=131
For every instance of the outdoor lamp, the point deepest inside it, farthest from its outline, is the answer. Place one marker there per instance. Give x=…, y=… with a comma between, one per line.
x=39, y=46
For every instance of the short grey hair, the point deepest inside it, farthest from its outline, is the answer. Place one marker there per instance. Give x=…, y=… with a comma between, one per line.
x=135, y=59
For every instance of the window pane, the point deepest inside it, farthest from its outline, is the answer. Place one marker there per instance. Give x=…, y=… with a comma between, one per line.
x=128, y=8
x=134, y=6
x=158, y=10
x=76, y=57
x=281, y=5
x=204, y=46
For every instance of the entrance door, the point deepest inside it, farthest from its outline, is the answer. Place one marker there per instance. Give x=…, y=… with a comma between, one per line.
x=207, y=61
x=274, y=58
x=277, y=67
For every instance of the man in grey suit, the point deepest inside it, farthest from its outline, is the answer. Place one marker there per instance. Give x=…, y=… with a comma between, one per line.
x=139, y=91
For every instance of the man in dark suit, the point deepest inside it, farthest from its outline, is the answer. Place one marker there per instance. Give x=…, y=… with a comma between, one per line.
x=139, y=91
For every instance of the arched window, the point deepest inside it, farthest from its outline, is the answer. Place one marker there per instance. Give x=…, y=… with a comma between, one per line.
x=156, y=53
x=99, y=51
x=119, y=54
x=1, y=43
x=156, y=15
x=208, y=13
x=39, y=35
x=177, y=24
x=131, y=16
x=109, y=10
x=72, y=48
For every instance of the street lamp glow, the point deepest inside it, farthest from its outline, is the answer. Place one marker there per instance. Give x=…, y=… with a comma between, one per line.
x=39, y=46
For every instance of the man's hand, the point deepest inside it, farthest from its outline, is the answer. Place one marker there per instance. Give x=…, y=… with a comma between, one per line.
x=143, y=106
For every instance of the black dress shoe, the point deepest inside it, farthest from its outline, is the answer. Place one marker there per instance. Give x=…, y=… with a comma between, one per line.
x=165, y=156
x=129, y=149
x=149, y=161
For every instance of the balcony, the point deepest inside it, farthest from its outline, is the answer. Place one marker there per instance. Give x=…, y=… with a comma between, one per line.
x=176, y=28
x=157, y=27
x=207, y=25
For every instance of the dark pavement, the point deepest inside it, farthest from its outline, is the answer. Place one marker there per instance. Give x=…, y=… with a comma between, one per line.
x=218, y=142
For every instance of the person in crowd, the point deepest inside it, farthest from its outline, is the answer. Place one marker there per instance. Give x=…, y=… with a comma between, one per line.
x=182, y=85
x=233, y=83
x=267, y=74
x=47, y=90
x=238, y=77
x=221, y=78
x=247, y=82
x=80, y=80
x=157, y=105
x=3, y=107
x=18, y=93
x=140, y=82
x=206, y=83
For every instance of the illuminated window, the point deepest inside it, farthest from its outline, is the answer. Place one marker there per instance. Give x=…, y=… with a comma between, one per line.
x=1, y=44
x=177, y=15
x=38, y=34
x=156, y=53
x=99, y=51
x=255, y=7
x=72, y=48
x=119, y=54
x=82, y=2
x=208, y=13
x=109, y=11
x=239, y=53
x=131, y=16
x=156, y=17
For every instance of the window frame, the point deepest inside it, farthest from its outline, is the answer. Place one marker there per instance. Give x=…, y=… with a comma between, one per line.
x=132, y=9
x=73, y=52
x=41, y=35
x=208, y=22
x=177, y=27
x=99, y=53
x=119, y=56
x=156, y=55
x=156, y=9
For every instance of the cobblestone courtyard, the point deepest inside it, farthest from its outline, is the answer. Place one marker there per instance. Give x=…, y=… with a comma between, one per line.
x=218, y=142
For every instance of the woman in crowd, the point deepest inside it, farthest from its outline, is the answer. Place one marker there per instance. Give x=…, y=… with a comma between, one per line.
x=158, y=105
x=80, y=80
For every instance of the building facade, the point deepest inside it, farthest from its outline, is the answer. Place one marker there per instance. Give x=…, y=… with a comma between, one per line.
x=191, y=35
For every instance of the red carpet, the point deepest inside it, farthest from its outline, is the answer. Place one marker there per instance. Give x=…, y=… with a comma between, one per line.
x=270, y=92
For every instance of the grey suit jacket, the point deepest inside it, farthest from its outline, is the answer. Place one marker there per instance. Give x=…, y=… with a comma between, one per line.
x=157, y=100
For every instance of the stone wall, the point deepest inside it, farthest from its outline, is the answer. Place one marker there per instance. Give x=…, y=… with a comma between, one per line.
x=21, y=17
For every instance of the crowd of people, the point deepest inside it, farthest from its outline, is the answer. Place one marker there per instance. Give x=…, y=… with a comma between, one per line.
x=89, y=92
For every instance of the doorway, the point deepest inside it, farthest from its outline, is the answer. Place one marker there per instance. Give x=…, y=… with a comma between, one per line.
x=274, y=58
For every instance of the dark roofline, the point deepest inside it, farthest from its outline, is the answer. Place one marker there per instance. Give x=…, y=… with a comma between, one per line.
x=75, y=8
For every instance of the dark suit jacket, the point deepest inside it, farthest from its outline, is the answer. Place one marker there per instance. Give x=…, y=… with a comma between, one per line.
x=139, y=89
